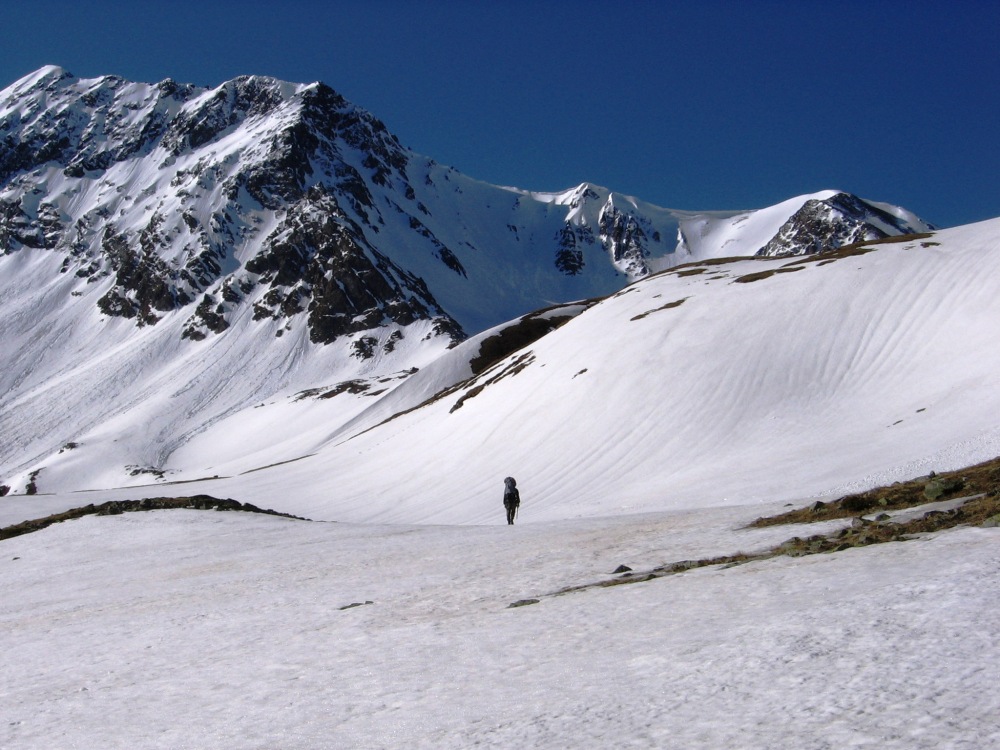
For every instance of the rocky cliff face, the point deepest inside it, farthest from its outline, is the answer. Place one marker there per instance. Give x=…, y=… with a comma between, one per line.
x=171, y=199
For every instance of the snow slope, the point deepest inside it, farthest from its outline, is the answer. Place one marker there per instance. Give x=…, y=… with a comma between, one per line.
x=186, y=629
x=690, y=388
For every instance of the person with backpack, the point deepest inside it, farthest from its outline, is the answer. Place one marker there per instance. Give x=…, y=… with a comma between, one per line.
x=511, y=499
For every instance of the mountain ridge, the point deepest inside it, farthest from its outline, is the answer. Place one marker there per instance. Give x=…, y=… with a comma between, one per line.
x=253, y=162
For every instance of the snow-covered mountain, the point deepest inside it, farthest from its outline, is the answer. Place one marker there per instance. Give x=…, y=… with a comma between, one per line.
x=194, y=278
x=290, y=202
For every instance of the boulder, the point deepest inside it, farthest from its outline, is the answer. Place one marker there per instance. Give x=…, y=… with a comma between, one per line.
x=940, y=487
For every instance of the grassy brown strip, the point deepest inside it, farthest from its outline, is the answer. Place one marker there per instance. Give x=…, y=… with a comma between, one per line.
x=982, y=478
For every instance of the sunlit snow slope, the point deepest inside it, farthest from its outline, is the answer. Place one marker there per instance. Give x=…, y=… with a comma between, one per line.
x=187, y=629
x=699, y=386
x=710, y=384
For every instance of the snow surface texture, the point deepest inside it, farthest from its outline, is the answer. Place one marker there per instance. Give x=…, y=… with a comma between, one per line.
x=188, y=629
x=859, y=370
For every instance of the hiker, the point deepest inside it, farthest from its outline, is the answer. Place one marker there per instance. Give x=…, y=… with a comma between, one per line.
x=511, y=499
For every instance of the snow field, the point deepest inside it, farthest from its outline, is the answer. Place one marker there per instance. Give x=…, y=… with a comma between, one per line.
x=186, y=629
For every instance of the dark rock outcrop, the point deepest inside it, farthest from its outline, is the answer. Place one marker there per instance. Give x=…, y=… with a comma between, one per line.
x=117, y=507
x=820, y=225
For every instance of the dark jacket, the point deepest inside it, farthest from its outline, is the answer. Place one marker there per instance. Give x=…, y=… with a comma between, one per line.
x=511, y=497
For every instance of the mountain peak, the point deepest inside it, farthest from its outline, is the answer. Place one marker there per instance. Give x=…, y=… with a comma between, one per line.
x=45, y=73
x=44, y=77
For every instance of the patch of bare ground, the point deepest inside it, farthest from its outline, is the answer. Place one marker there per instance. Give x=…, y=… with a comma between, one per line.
x=511, y=369
x=859, y=248
x=766, y=274
x=700, y=266
x=356, y=386
x=668, y=306
x=348, y=386
x=821, y=258
x=526, y=331
x=981, y=479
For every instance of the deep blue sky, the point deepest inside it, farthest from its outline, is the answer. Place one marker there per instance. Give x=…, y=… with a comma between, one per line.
x=693, y=105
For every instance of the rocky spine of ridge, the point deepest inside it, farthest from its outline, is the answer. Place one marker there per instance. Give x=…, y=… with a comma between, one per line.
x=626, y=236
